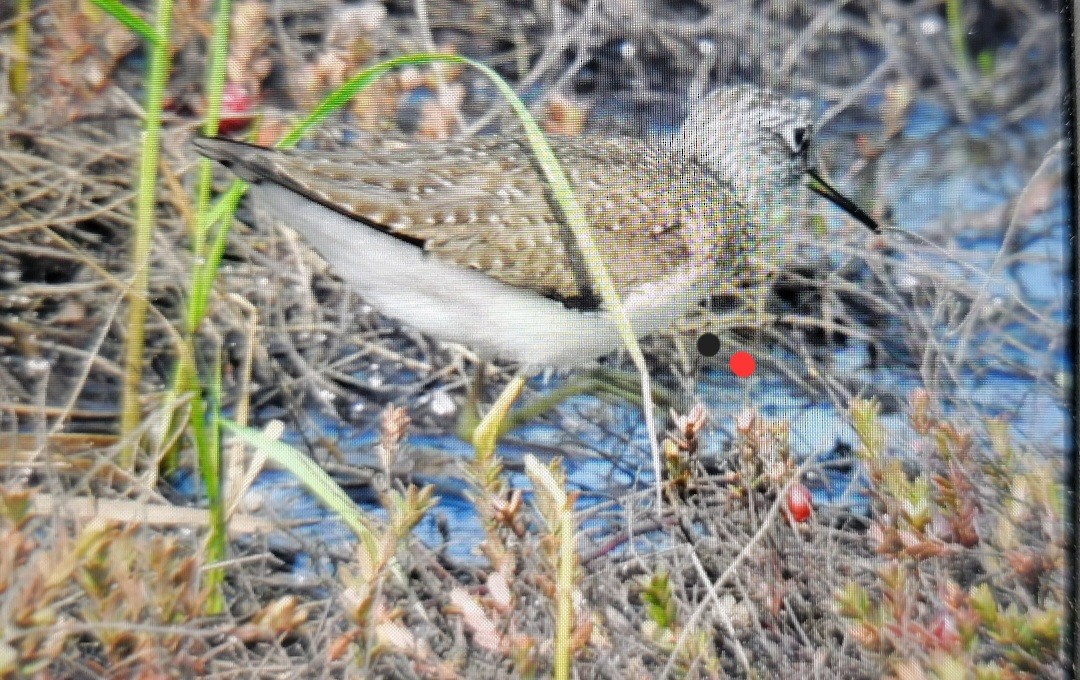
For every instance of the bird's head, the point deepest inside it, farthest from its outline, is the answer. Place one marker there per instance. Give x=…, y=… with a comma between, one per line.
x=761, y=142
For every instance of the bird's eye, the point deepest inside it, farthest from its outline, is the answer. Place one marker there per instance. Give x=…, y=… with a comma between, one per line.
x=798, y=138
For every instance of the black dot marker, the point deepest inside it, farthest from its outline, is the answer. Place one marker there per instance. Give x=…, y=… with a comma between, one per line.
x=708, y=344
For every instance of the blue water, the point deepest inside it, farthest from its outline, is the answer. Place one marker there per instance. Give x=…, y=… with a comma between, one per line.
x=1035, y=409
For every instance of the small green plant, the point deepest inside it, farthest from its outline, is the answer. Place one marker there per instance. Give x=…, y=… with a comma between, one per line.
x=680, y=448
x=659, y=603
x=557, y=509
x=369, y=579
x=664, y=629
x=491, y=621
x=110, y=589
x=367, y=590
x=975, y=510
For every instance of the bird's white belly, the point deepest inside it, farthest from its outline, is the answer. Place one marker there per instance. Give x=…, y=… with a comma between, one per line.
x=460, y=305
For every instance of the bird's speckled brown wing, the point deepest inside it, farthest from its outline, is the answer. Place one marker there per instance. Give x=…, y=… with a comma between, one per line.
x=482, y=203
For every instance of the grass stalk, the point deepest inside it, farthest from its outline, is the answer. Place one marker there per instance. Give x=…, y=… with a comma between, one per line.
x=157, y=75
x=208, y=449
x=19, y=77
x=557, y=508
x=204, y=271
x=564, y=593
x=491, y=427
x=954, y=18
x=215, y=86
x=207, y=438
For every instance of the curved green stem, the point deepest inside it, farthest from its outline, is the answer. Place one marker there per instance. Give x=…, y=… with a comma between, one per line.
x=131, y=411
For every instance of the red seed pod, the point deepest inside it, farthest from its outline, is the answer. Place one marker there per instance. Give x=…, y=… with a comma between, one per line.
x=943, y=629
x=799, y=503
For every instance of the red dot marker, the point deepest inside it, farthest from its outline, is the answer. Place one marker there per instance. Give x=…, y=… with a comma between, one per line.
x=742, y=364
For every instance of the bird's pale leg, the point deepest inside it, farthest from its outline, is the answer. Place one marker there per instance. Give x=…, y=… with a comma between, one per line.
x=599, y=381
x=469, y=417
x=470, y=412
x=548, y=401
x=627, y=386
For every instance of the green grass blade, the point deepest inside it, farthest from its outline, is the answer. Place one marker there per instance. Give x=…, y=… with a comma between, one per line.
x=117, y=10
x=215, y=86
x=326, y=490
x=206, y=272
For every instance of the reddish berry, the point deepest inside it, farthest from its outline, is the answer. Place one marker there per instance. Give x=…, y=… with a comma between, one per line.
x=800, y=505
x=237, y=106
x=943, y=629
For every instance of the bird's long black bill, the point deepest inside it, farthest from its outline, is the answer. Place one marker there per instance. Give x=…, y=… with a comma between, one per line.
x=823, y=188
